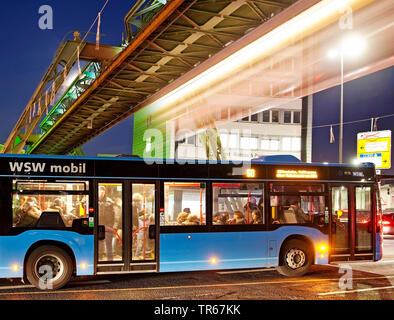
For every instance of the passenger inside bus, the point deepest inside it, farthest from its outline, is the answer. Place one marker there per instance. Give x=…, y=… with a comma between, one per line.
x=221, y=218
x=299, y=214
x=257, y=216
x=182, y=217
x=251, y=203
x=28, y=212
x=238, y=218
x=192, y=220
x=58, y=206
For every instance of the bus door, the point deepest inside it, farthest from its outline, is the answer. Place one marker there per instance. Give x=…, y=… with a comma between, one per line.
x=351, y=222
x=143, y=227
x=110, y=205
x=340, y=222
x=364, y=221
x=127, y=211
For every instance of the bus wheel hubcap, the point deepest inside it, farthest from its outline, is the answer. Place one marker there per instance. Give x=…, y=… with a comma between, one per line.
x=295, y=258
x=49, y=267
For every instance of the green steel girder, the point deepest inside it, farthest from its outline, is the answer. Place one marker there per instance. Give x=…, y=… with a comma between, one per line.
x=89, y=74
x=139, y=16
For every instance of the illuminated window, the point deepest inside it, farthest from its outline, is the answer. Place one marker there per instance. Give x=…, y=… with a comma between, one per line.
x=291, y=144
x=298, y=209
x=265, y=144
x=286, y=144
x=232, y=141
x=228, y=140
x=184, y=204
x=296, y=188
x=296, y=144
x=31, y=199
x=238, y=204
x=143, y=217
x=274, y=145
x=110, y=207
x=248, y=143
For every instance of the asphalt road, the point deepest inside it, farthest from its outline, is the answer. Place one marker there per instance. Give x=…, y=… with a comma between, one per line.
x=350, y=281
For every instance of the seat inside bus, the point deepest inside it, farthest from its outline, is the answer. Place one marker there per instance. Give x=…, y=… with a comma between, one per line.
x=289, y=216
x=50, y=219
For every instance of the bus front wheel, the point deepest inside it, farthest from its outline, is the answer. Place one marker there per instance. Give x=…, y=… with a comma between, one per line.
x=49, y=268
x=296, y=258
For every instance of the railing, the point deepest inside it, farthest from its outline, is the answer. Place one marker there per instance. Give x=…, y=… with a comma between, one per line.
x=140, y=15
x=77, y=88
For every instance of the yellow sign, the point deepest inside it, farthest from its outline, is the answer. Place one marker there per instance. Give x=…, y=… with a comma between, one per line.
x=375, y=147
x=296, y=174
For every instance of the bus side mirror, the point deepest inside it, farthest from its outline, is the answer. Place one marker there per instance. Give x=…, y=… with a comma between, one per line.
x=101, y=233
x=152, y=232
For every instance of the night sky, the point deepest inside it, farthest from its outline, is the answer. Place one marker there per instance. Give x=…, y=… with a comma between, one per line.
x=367, y=97
x=27, y=51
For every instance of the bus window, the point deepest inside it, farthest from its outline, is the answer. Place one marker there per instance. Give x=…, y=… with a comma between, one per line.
x=184, y=204
x=296, y=188
x=31, y=199
x=363, y=219
x=53, y=186
x=110, y=215
x=238, y=203
x=143, y=216
x=302, y=209
x=340, y=219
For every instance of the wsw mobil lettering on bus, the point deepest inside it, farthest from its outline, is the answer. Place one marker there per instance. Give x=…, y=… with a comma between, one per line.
x=30, y=167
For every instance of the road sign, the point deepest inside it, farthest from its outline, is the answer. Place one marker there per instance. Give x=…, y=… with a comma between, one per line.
x=375, y=146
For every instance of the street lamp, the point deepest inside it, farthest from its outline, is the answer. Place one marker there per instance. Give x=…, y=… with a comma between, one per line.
x=351, y=46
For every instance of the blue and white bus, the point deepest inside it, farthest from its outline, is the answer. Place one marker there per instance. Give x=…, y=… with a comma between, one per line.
x=64, y=217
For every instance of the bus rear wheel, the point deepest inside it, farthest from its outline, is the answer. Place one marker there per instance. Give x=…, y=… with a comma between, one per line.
x=296, y=258
x=49, y=268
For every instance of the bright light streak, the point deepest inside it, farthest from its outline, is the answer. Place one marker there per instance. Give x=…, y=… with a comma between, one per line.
x=353, y=45
x=332, y=54
x=241, y=59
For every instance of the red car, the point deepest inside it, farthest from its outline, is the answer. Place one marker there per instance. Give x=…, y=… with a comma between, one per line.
x=388, y=221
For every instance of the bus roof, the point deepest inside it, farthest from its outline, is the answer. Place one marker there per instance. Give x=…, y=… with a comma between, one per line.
x=266, y=160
